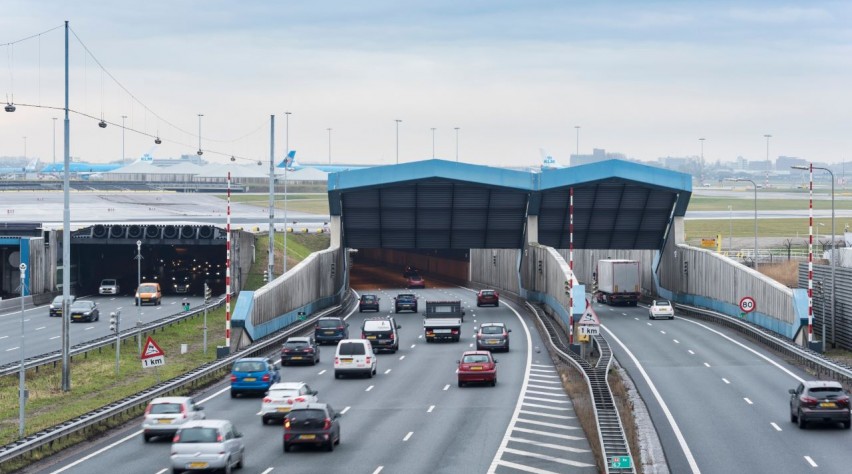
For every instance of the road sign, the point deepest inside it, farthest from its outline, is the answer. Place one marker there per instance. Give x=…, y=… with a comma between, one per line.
x=589, y=317
x=152, y=355
x=620, y=462
x=747, y=304
x=590, y=330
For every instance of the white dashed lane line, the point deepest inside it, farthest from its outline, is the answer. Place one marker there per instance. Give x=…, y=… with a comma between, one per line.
x=388, y=371
x=408, y=436
x=676, y=341
x=706, y=364
x=777, y=428
x=431, y=407
x=343, y=412
x=690, y=351
x=322, y=372
x=748, y=401
x=725, y=380
x=446, y=387
x=811, y=461
x=401, y=357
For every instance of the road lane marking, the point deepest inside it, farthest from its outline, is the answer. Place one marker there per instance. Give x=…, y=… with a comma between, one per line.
x=26, y=320
x=12, y=349
x=471, y=344
x=560, y=395
x=567, y=462
x=540, y=365
x=662, y=332
x=706, y=364
x=676, y=341
x=342, y=412
x=649, y=324
x=322, y=372
x=545, y=381
x=681, y=440
x=521, y=467
x=544, y=423
x=748, y=401
x=161, y=471
x=408, y=436
x=378, y=470
x=4, y=337
x=550, y=400
x=420, y=336
x=369, y=388
x=777, y=428
x=810, y=461
x=690, y=351
x=548, y=445
x=446, y=387
x=413, y=346
x=637, y=319
x=387, y=371
x=725, y=380
x=624, y=314
x=548, y=415
x=55, y=337
x=401, y=357
x=542, y=375
x=544, y=387
x=431, y=407
x=551, y=371
x=39, y=329
x=268, y=470
x=546, y=407
x=88, y=328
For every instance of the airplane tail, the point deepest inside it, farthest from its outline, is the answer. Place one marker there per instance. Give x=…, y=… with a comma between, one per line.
x=32, y=166
x=289, y=161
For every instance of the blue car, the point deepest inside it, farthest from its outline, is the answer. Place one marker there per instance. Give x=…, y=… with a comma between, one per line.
x=253, y=375
x=332, y=329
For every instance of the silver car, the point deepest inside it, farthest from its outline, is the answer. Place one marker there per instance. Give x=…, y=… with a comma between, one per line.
x=207, y=445
x=165, y=415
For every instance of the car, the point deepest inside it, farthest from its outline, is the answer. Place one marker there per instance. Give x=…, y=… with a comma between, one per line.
x=315, y=424
x=819, y=401
x=331, y=329
x=492, y=336
x=405, y=302
x=661, y=309
x=409, y=270
x=382, y=333
x=477, y=366
x=487, y=297
x=56, y=305
x=181, y=282
x=149, y=293
x=253, y=375
x=83, y=310
x=165, y=415
x=109, y=286
x=415, y=281
x=300, y=349
x=355, y=356
x=208, y=445
x=282, y=396
x=368, y=303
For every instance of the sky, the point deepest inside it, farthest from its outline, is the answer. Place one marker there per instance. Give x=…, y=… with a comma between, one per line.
x=642, y=78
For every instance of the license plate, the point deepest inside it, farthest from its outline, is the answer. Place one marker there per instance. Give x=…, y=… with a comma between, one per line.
x=284, y=409
x=307, y=436
x=476, y=368
x=371, y=337
x=828, y=405
x=296, y=357
x=198, y=465
x=77, y=316
x=441, y=331
x=249, y=379
x=164, y=421
x=346, y=360
x=493, y=341
x=329, y=333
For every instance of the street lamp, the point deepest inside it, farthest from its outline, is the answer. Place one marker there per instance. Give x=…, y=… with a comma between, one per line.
x=755, y=213
x=199, y=152
x=54, y=140
x=433, y=143
x=138, y=299
x=286, y=165
x=577, y=153
x=329, y=145
x=25, y=148
x=731, y=230
x=457, y=144
x=124, y=155
x=833, y=259
x=22, y=391
x=701, y=164
x=271, y=265
x=397, y=139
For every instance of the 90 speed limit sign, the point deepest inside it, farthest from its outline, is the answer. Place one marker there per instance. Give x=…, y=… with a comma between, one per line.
x=747, y=304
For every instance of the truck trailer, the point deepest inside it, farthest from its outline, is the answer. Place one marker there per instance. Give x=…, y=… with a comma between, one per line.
x=617, y=282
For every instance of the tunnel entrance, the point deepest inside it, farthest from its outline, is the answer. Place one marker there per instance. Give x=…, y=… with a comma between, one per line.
x=439, y=267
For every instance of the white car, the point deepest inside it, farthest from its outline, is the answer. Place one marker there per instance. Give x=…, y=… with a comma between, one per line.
x=355, y=356
x=165, y=415
x=661, y=309
x=109, y=286
x=280, y=399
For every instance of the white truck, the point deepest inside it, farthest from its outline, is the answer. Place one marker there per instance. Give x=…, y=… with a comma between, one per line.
x=443, y=320
x=617, y=282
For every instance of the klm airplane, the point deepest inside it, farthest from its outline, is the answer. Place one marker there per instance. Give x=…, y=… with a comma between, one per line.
x=291, y=164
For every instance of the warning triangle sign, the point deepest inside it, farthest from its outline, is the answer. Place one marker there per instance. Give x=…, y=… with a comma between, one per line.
x=589, y=317
x=151, y=349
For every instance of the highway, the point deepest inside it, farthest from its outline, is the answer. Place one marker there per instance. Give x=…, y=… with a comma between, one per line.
x=719, y=402
x=412, y=417
x=43, y=333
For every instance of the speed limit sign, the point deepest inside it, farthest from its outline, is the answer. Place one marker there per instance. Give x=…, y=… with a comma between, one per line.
x=747, y=304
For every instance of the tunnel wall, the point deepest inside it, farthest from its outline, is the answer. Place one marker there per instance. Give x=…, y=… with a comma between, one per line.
x=434, y=265
x=586, y=261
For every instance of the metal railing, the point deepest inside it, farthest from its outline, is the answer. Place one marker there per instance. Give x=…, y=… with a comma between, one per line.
x=137, y=401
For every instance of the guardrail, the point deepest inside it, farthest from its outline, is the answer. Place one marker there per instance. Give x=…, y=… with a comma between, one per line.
x=806, y=357
x=611, y=435
x=88, y=346
x=135, y=402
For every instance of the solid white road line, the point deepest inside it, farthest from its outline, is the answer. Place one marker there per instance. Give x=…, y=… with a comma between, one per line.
x=521, y=467
x=322, y=372
x=548, y=415
x=550, y=400
x=343, y=412
x=810, y=461
x=408, y=436
x=560, y=395
x=552, y=435
x=748, y=401
x=548, y=445
x=546, y=376
x=545, y=388
x=268, y=470
x=549, y=425
x=369, y=388
x=567, y=462
x=725, y=380
x=401, y=357
x=681, y=440
x=431, y=407
x=545, y=407
x=690, y=351
x=446, y=387
x=777, y=428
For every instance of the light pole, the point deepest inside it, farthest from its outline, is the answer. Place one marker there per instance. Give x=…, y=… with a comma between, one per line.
x=271, y=266
x=286, y=166
x=731, y=230
x=329, y=145
x=25, y=148
x=833, y=259
x=22, y=391
x=820, y=224
x=138, y=300
x=54, y=140
x=66, y=238
x=199, y=152
x=755, y=213
x=457, y=144
x=701, y=164
x=397, y=139
x=433, y=143
x=123, y=154
x=577, y=153
x=767, y=136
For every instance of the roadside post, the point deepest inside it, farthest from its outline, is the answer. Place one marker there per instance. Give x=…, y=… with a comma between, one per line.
x=588, y=325
x=115, y=326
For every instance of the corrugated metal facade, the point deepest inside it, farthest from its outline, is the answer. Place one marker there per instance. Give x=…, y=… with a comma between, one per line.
x=496, y=268
x=822, y=302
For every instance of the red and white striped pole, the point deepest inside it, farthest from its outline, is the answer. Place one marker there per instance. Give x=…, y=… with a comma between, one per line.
x=228, y=270
x=571, y=265
x=811, y=256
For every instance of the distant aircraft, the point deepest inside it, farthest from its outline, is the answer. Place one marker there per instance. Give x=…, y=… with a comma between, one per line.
x=291, y=164
x=18, y=170
x=80, y=167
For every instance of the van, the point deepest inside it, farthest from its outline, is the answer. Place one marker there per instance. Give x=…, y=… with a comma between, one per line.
x=149, y=293
x=354, y=356
x=382, y=333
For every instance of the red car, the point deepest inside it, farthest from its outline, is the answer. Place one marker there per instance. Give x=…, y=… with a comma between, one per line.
x=477, y=366
x=415, y=281
x=485, y=297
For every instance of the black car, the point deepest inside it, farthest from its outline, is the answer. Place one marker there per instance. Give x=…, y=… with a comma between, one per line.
x=300, y=349
x=368, y=303
x=409, y=270
x=405, y=302
x=819, y=401
x=316, y=424
x=381, y=332
x=56, y=305
x=331, y=329
x=85, y=311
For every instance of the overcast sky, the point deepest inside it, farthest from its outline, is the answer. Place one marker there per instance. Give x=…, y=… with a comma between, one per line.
x=646, y=79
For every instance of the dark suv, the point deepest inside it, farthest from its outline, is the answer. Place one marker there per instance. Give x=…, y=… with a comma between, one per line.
x=300, y=349
x=819, y=400
x=331, y=329
x=381, y=332
x=316, y=424
x=368, y=303
x=405, y=302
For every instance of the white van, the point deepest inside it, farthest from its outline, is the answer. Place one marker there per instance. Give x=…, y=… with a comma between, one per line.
x=354, y=356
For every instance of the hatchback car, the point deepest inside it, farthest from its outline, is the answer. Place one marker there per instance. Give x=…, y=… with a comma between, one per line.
x=415, y=281
x=181, y=282
x=165, y=415
x=253, y=375
x=331, y=329
x=487, y=297
x=405, y=302
x=819, y=401
x=208, y=445
x=149, y=293
x=109, y=286
x=56, y=305
x=282, y=396
x=382, y=333
x=477, y=366
x=355, y=356
x=316, y=424
x=661, y=309
x=300, y=349
x=492, y=336
x=368, y=303
x=85, y=311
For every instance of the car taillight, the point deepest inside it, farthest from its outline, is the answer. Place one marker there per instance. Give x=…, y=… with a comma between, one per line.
x=842, y=401
x=455, y=331
x=266, y=377
x=806, y=400
x=176, y=439
x=148, y=409
x=505, y=334
x=219, y=440
x=309, y=350
x=267, y=400
x=300, y=399
x=233, y=378
x=363, y=335
x=286, y=423
x=326, y=424
x=391, y=335
x=289, y=401
x=285, y=350
x=336, y=360
x=479, y=336
x=367, y=360
x=340, y=328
